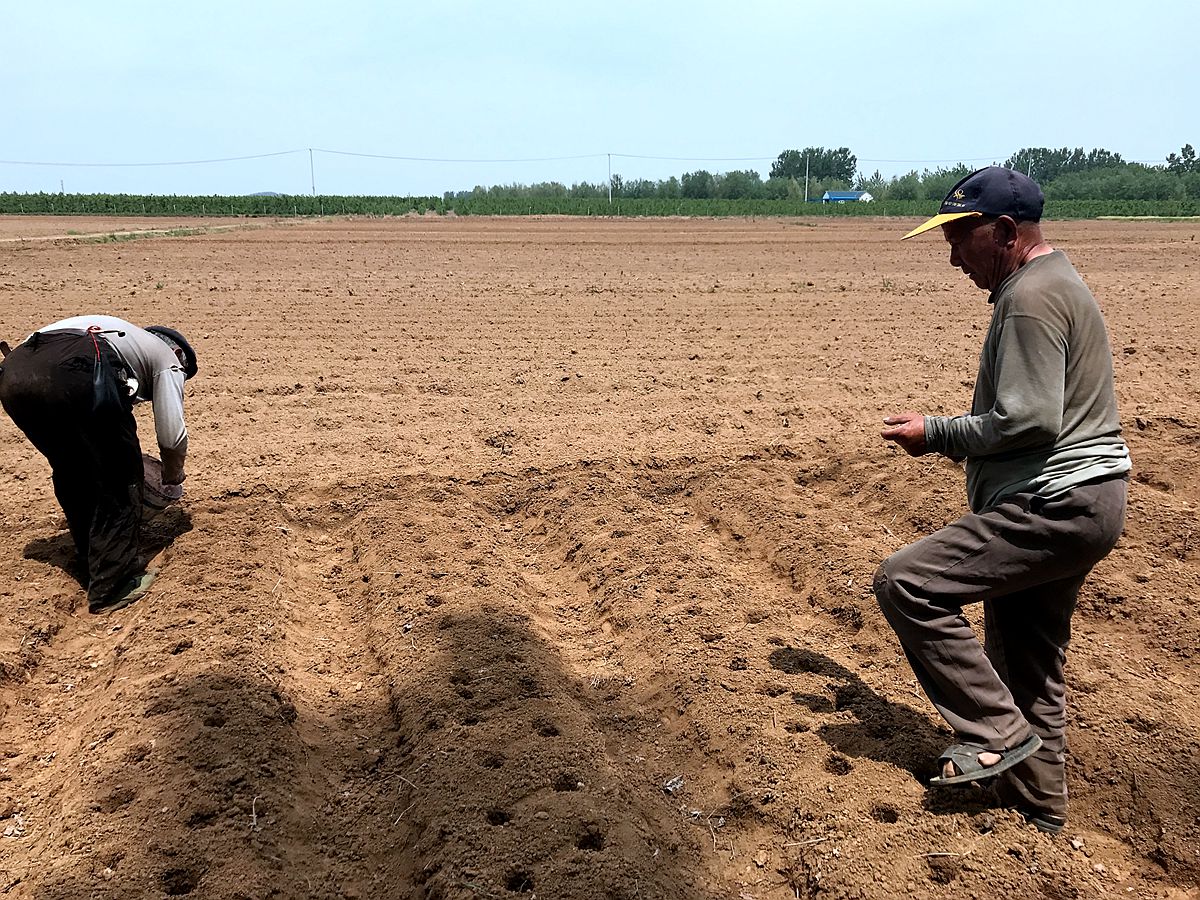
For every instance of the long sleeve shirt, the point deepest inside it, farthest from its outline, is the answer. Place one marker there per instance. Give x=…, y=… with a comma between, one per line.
x=1044, y=416
x=160, y=381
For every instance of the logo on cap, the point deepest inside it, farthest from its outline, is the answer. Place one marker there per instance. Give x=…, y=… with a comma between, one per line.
x=959, y=195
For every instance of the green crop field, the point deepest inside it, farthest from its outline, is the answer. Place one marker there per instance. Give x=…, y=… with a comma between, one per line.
x=304, y=205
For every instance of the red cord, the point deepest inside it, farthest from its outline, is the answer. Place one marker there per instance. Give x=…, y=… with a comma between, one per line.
x=92, y=331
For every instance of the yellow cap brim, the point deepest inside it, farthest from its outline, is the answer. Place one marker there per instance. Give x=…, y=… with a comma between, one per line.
x=939, y=219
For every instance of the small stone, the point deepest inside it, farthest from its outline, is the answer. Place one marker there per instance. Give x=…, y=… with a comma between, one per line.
x=543, y=815
x=106, y=873
x=1099, y=869
x=1076, y=843
x=761, y=858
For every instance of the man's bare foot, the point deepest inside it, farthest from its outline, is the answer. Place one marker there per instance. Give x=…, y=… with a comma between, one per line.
x=967, y=762
x=987, y=759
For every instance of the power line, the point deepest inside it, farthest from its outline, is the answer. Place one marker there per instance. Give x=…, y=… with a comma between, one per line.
x=531, y=159
x=441, y=160
x=699, y=158
x=948, y=160
x=190, y=162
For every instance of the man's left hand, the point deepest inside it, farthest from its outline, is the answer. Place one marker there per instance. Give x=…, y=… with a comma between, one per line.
x=908, y=430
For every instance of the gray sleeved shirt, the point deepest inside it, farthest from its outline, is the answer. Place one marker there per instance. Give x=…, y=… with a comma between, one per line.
x=160, y=380
x=1044, y=416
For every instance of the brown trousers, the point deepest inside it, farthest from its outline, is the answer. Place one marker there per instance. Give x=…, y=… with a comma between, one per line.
x=1025, y=560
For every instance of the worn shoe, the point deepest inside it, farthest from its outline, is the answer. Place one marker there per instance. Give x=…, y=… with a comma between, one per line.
x=1007, y=796
x=132, y=590
x=1044, y=822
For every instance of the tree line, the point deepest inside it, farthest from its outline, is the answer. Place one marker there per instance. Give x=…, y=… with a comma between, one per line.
x=1064, y=173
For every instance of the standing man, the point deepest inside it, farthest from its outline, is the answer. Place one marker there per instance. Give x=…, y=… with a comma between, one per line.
x=1046, y=479
x=70, y=387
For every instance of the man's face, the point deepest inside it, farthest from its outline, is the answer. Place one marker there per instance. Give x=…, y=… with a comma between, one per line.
x=975, y=250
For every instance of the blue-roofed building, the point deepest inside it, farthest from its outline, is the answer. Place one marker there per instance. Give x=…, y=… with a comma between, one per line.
x=846, y=197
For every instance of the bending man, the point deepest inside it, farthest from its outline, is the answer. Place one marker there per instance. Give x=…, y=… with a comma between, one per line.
x=70, y=387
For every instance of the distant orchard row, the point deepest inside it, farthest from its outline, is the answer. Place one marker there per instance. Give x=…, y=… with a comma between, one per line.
x=305, y=205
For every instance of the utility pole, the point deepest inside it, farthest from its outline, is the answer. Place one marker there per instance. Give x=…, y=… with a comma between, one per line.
x=312, y=173
x=805, y=177
x=610, y=179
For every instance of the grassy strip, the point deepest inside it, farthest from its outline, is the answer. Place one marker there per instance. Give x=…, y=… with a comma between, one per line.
x=287, y=206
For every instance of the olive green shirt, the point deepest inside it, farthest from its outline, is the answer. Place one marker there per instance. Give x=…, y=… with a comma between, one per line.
x=1044, y=416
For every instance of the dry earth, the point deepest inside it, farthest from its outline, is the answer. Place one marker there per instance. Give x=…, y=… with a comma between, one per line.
x=533, y=558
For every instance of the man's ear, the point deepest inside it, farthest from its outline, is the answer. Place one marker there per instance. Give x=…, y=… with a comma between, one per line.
x=1004, y=231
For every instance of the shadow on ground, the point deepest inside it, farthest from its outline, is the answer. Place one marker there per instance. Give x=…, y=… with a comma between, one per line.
x=480, y=772
x=159, y=532
x=887, y=732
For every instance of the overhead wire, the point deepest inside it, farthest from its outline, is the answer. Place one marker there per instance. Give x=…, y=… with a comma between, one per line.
x=491, y=161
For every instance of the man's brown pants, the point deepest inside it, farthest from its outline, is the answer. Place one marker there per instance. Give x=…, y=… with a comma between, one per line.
x=1025, y=560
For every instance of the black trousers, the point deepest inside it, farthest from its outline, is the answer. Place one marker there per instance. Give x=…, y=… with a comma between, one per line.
x=64, y=391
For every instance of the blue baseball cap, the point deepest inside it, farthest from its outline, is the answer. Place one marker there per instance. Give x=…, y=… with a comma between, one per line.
x=992, y=191
x=177, y=342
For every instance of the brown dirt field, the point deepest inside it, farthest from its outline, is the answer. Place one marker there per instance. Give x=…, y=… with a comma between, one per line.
x=494, y=527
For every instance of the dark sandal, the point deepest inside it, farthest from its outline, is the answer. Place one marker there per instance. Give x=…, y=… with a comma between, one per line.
x=965, y=758
x=137, y=587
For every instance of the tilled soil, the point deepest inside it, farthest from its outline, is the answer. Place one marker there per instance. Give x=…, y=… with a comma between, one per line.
x=533, y=558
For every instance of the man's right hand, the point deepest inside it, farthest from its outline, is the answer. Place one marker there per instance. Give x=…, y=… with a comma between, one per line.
x=908, y=430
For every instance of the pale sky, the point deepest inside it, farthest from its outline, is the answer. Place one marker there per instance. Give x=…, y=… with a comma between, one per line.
x=720, y=85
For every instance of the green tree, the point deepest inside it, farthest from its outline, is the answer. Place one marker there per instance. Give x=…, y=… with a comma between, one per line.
x=1045, y=164
x=779, y=188
x=839, y=165
x=1183, y=163
x=640, y=188
x=585, y=191
x=789, y=164
x=905, y=187
x=936, y=184
x=698, y=185
x=669, y=189
x=1129, y=182
x=740, y=185
x=874, y=184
